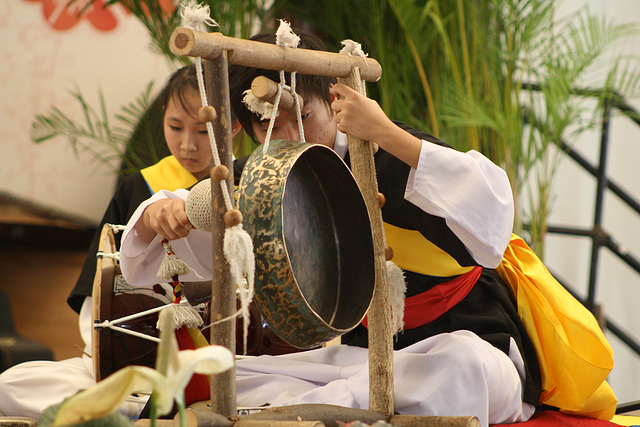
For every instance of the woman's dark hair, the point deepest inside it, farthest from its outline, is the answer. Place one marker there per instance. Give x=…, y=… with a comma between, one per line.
x=182, y=82
x=147, y=144
x=310, y=87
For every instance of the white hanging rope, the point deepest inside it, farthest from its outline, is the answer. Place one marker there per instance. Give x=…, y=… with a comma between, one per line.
x=238, y=247
x=274, y=114
x=287, y=38
x=296, y=101
x=193, y=16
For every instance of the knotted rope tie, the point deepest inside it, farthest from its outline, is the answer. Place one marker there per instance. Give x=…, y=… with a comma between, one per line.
x=287, y=38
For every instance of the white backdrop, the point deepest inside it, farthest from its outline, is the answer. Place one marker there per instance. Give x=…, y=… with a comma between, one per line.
x=38, y=67
x=39, y=64
x=618, y=286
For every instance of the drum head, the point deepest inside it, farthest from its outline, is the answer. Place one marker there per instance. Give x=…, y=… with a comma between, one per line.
x=312, y=239
x=112, y=299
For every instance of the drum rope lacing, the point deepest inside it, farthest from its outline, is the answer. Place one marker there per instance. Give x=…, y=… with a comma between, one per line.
x=113, y=324
x=114, y=255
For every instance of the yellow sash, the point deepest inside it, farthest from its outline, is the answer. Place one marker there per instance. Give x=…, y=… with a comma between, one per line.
x=413, y=252
x=574, y=355
x=168, y=174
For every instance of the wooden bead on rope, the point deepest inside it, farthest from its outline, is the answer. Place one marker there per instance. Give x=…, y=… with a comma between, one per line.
x=381, y=200
x=233, y=217
x=207, y=114
x=388, y=253
x=220, y=173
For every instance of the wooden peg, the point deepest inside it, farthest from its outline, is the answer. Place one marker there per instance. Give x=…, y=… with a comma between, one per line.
x=388, y=253
x=266, y=89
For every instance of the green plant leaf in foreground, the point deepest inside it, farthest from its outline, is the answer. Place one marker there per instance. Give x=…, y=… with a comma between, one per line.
x=108, y=395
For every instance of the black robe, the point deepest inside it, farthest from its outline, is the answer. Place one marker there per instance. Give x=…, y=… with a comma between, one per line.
x=489, y=310
x=131, y=192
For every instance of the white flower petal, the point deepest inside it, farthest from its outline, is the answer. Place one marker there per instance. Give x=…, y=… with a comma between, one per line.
x=208, y=360
x=106, y=396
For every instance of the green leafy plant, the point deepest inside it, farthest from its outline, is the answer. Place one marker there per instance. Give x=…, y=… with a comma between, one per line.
x=497, y=76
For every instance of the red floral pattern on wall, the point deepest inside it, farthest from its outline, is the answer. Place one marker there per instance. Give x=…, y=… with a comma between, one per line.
x=63, y=14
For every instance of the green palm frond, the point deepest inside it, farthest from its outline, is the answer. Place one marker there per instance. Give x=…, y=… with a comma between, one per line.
x=106, y=143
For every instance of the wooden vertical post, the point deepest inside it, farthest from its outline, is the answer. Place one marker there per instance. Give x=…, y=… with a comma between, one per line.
x=223, y=292
x=381, y=395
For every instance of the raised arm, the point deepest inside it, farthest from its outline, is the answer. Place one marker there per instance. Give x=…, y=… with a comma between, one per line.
x=362, y=117
x=470, y=192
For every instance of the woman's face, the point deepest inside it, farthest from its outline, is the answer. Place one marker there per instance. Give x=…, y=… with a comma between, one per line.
x=187, y=136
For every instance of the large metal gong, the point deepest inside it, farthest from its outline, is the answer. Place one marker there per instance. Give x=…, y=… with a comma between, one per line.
x=312, y=240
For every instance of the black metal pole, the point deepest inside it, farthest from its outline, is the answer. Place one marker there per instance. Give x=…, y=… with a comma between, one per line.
x=597, y=217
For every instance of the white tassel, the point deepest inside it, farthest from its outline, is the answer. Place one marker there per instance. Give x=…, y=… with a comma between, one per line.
x=285, y=35
x=238, y=250
x=171, y=265
x=397, y=290
x=183, y=315
x=194, y=15
x=353, y=48
x=256, y=105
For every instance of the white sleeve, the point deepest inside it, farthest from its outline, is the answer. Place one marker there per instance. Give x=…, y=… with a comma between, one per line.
x=471, y=193
x=140, y=260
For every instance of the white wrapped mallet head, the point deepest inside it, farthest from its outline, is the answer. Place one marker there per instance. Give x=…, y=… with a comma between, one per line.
x=198, y=205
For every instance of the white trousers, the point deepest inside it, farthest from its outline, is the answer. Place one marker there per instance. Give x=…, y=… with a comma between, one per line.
x=29, y=388
x=448, y=374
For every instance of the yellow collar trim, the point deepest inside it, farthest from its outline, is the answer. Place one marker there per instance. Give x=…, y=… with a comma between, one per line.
x=168, y=174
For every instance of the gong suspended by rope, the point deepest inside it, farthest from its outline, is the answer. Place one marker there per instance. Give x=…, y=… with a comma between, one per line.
x=219, y=49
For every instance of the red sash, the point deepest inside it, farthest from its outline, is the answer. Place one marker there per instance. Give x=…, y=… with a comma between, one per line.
x=428, y=306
